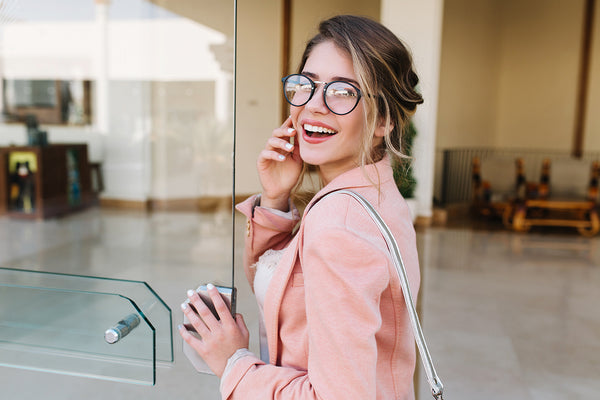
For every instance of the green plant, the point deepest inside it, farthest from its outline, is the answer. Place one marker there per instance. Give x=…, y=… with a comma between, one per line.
x=403, y=173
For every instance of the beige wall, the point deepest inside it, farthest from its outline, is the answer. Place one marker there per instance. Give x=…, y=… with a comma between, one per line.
x=307, y=14
x=540, y=50
x=592, y=126
x=258, y=86
x=509, y=75
x=469, y=74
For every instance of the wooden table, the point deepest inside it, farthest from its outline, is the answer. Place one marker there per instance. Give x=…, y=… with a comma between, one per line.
x=580, y=214
x=59, y=182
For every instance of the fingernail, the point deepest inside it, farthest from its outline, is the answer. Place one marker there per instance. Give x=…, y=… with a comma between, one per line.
x=289, y=146
x=290, y=130
x=210, y=286
x=190, y=293
x=184, y=306
x=179, y=327
x=281, y=157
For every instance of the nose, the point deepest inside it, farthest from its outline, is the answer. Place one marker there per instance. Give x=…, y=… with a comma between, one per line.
x=316, y=104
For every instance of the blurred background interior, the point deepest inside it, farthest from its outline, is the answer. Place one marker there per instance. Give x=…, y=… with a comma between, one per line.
x=118, y=122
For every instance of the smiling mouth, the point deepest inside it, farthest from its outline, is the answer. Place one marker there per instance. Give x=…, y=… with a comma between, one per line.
x=318, y=131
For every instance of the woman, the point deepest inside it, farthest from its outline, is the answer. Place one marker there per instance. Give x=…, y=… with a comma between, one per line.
x=335, y=320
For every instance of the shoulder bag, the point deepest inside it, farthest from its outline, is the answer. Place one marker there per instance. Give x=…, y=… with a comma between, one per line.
x=435, y=383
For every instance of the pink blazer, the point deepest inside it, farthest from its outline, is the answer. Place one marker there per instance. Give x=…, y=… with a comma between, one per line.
x=335, y=318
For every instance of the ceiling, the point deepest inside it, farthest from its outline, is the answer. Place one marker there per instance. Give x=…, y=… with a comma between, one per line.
x=217, y=15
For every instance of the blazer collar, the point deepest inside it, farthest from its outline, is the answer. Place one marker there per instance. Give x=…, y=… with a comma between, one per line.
x=371, y=174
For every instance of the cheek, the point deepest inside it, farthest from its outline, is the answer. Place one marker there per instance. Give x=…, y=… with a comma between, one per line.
x=295, y=113
x=355, y=126
x=356, y=120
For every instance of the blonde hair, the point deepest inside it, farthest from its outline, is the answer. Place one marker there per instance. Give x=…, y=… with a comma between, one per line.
x=384, y=68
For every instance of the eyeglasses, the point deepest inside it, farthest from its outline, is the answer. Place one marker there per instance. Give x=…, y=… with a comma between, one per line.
x=340, y=97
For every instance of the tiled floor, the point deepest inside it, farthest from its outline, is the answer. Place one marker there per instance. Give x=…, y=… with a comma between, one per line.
x=507, y=316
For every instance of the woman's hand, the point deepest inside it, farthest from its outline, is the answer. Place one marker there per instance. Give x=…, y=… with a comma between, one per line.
x=279, y=166
x=220, y=338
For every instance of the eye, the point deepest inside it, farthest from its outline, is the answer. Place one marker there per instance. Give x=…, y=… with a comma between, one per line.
x=342, y=93
x=341, y=90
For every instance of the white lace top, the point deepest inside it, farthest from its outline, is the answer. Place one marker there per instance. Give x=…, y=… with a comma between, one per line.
x=265, y=268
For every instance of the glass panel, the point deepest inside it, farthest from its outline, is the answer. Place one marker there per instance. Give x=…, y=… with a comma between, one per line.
x=66, y=323
x=147, y=86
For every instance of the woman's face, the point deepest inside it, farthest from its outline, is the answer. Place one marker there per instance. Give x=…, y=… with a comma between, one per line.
x=337, y=150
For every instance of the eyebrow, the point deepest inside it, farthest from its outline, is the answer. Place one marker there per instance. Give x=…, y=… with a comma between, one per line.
x=334, y=78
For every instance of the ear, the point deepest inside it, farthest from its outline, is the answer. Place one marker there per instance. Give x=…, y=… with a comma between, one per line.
x=382, y=129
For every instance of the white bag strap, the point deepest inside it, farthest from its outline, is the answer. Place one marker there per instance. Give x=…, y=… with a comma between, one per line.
x=435, y=383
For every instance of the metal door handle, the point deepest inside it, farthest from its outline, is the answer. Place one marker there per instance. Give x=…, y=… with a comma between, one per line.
x=121, y=329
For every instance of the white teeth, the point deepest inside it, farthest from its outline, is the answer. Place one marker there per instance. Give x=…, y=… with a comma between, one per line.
x=320, y=129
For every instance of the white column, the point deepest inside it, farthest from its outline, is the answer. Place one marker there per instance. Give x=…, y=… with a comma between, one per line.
x=419, y=25
x=101, y=120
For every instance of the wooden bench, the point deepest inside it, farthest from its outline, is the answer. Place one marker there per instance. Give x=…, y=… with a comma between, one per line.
x=567, y=196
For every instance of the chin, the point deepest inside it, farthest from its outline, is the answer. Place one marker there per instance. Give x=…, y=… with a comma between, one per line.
x=311, y=158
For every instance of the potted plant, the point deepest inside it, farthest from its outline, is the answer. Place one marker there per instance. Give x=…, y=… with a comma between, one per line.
x=403, y=173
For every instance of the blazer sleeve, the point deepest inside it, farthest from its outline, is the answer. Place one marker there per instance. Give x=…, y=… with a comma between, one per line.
x=344, y=277
x=264, y=230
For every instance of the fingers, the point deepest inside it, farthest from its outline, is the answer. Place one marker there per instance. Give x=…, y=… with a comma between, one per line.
x=192, y=339
x=277, y=149
x=287, y=124
x=286, y=131
x=200, y=315
x=195, y=322
x=281, y=142
x=186, y=332
x=239, y=320
x=275, y=143
x=220, y=305
x=218, y=340
x=270, y=155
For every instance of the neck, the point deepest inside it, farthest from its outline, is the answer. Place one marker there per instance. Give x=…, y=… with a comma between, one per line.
x=327, y=174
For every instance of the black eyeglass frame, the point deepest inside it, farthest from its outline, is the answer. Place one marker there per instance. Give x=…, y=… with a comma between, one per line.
x=313, y=85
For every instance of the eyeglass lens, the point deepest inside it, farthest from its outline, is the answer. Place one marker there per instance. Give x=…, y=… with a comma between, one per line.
x=340, y=97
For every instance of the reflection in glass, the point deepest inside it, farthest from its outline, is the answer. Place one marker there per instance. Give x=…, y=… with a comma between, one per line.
x=148, y=85
x=51, y=101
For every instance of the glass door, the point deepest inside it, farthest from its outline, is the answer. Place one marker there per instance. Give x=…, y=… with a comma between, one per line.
x=144, y=88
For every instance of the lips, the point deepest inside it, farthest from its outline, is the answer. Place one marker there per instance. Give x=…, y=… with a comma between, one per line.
x=317, y=132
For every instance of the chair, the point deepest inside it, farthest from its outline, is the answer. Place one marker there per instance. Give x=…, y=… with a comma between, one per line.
x=497, y=183
x=571, y=179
